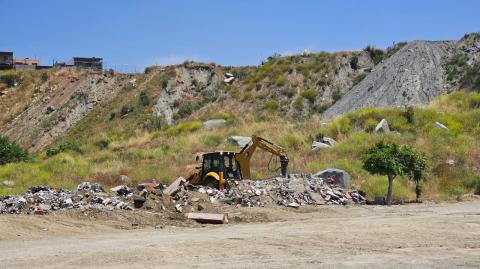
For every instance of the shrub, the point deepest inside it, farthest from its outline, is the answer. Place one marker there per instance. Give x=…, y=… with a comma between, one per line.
x=358, y=78
x=309, y=94
x=65, y=146
x=477, y=188
x=125, y=110
x=10, y=78
x=44, y=76
x=11, y=152
x=186, y=108
x=336, y=95
x=143, y=99
x=375, y=54
x=456, y=65
x=184, y=127
x=272, y=106
x=213, y=140
x=102, y=143
x=298, y=103
x=354, y=62
x=292, y=141
x=156, y=123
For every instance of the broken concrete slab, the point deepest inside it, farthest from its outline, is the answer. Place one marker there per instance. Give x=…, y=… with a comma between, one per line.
x=175, y=186
x=209, y=218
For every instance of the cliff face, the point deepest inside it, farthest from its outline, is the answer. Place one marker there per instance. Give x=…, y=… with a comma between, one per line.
x=412, y=76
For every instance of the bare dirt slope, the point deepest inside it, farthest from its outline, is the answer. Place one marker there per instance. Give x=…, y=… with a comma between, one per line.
x=412, y=236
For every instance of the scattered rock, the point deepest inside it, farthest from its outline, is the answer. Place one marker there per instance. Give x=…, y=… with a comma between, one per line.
x=175, y=187
x=335, y=176
x=122, y=190
x=240, y=141
x=8, y=183
x=450, y=162
x=382, y=126
x=208, y=218
x=329, y=141
x=439, y=125
x=211, y=124
x=319, y=145
x=124, y=178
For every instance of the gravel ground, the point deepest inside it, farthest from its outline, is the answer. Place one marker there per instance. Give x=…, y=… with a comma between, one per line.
x=408, y=236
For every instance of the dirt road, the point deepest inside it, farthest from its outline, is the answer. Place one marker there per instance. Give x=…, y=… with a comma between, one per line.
x=409, y=236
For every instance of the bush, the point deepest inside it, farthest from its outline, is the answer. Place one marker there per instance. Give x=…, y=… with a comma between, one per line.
x=65, y=146
x=336, y=95
x=272, y=106
x=477, y=188
x=354, y=62
x=125, y=110
x=309, y=94
x=9, y=78
x=358, y=78
x=298, y=103
x=102, y=143
x=143, y=99
x=456, y=65
x=11, y=152
x=44, y=76
x=376, y=55
x=186, y=108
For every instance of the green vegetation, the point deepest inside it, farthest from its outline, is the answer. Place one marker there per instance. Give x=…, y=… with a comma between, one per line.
x=377, y=55
x=456, y=66
x=309, y=94
x=391, y=160
x=358, y=78
x=11, y=152
x=9, y=78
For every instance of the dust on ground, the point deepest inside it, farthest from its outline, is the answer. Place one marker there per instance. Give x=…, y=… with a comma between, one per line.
x=406, y=236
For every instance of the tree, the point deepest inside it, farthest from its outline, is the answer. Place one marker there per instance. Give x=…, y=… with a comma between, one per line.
x=11, y=152
x=391, y=160
x=415, y=163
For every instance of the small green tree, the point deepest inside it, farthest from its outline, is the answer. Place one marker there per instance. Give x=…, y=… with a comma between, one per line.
x=415, y=163
x=11, y=152
x=391, y=160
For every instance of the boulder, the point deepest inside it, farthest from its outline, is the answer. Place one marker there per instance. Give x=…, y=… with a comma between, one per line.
x=210, y=124
x=328, y=140
x=319, y=145
x=382, y=126
x=8, y=183
x=441, y=126
x=338, y=176
x=240, y=141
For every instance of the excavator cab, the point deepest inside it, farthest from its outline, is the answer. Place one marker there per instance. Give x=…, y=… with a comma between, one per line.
x=218, y=166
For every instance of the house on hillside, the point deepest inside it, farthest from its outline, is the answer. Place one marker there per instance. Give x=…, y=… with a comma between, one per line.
x=6, y=60
x=26, y=63
x=82, y=62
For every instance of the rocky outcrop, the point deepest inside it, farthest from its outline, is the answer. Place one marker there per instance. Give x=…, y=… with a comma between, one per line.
x=412, y=76
x=62, y=105
x=186, y=84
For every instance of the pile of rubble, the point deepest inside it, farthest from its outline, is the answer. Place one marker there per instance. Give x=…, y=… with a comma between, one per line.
x=294, y=191
x=40, y=200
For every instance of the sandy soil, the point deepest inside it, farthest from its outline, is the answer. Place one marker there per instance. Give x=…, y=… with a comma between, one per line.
x=408, y=236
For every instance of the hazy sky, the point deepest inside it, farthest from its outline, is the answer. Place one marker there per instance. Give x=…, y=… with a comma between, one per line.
x=132, y=34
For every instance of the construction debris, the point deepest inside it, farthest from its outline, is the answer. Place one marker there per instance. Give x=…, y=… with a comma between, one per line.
x=209, y=218
x=294, y=191
x=41, y=199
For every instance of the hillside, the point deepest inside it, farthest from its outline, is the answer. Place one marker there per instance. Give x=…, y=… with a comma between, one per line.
x=85, y=125
x=415, y=75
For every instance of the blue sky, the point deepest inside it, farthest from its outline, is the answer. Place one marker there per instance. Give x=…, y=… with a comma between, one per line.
x=130, y=35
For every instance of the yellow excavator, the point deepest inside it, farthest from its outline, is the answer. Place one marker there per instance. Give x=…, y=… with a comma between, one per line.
x=218, y=166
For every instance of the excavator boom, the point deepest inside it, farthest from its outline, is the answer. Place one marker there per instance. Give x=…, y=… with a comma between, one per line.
x=245, y=155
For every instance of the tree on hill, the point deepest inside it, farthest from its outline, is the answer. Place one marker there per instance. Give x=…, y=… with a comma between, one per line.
x=11, y=152
x=391, y=160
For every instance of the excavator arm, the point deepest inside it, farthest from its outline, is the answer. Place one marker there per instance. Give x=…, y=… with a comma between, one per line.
x=244, y=156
